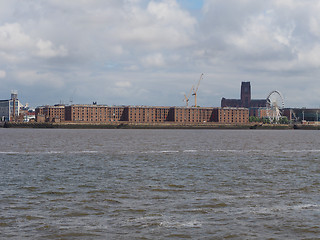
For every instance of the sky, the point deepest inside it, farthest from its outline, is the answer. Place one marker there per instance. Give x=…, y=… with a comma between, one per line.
x=151, y=52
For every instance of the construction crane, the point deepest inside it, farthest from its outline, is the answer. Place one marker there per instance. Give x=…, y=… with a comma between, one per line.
x=187, y=98
x=195, y=90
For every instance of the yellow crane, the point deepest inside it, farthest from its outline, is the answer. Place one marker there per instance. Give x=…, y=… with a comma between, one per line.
x=195, y=90
x=187, y=98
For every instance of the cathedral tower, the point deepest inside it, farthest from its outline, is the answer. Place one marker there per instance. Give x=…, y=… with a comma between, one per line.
x=245, y=94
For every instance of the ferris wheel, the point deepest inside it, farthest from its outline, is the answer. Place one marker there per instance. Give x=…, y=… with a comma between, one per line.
x=275, y=106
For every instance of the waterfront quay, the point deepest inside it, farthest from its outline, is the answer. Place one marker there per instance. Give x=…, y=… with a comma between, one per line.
x=130, y=125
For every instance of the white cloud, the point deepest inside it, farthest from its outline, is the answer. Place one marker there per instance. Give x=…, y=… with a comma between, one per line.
x=161, y=25
x=259, y=37
x=154, y=60
x=310, y=58
x=16, y=45
x=12, y=37
x=123, y=84
x=314, y=24
x=31, y=78
x=47, y=50
x=157, y=48
x=3, y=74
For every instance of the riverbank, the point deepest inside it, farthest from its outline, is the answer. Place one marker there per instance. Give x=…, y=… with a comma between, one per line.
x=127, y=125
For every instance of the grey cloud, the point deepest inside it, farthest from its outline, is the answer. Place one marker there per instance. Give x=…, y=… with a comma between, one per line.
x=274, y=44
x=151, y=52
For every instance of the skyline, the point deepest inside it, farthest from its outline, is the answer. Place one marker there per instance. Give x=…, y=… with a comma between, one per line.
x=138, y=52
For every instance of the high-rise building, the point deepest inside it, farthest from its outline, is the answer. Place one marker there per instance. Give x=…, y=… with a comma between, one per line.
x=10, y=109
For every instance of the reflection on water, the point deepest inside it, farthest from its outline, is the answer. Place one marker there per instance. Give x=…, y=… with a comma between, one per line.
x=159, y=184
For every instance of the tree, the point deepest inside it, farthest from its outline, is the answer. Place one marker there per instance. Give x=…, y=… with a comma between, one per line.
x=266, y=120
x=283, y=120
x=254, y=119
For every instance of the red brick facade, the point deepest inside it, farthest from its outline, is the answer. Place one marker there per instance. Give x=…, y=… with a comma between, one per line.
x=140, y=114
x=150, y=114
x=233, y=115
x=95, y=113
x=50, y=113
x=194, y=115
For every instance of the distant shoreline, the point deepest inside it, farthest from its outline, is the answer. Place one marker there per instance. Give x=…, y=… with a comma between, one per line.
x=127, y=125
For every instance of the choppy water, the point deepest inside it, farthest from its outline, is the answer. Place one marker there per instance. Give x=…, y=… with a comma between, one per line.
x=159, y=184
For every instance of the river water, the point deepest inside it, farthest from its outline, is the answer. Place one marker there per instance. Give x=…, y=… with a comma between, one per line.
x=159, y=184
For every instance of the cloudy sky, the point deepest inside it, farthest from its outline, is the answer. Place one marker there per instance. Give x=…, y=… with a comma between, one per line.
x=151, y=52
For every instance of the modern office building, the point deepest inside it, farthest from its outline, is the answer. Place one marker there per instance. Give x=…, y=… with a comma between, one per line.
x=10, y=109
x=302, y=114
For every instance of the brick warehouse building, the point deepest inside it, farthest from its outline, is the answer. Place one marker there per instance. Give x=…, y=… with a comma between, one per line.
x=233, y=115
x=194, y=115
x=150, y=114
x=139, y=114
x=95, y=113
x=47, y=113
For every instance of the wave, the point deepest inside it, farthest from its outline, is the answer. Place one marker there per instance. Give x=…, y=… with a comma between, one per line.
x=85, y=151
x=190, y=151
x=302, y=151
x=161, y=151
x=306, y=206
x=9, y=153
x=285, y=208
x=185, y=151
x=162, y=221
x=47, y=152
x=175, y=224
